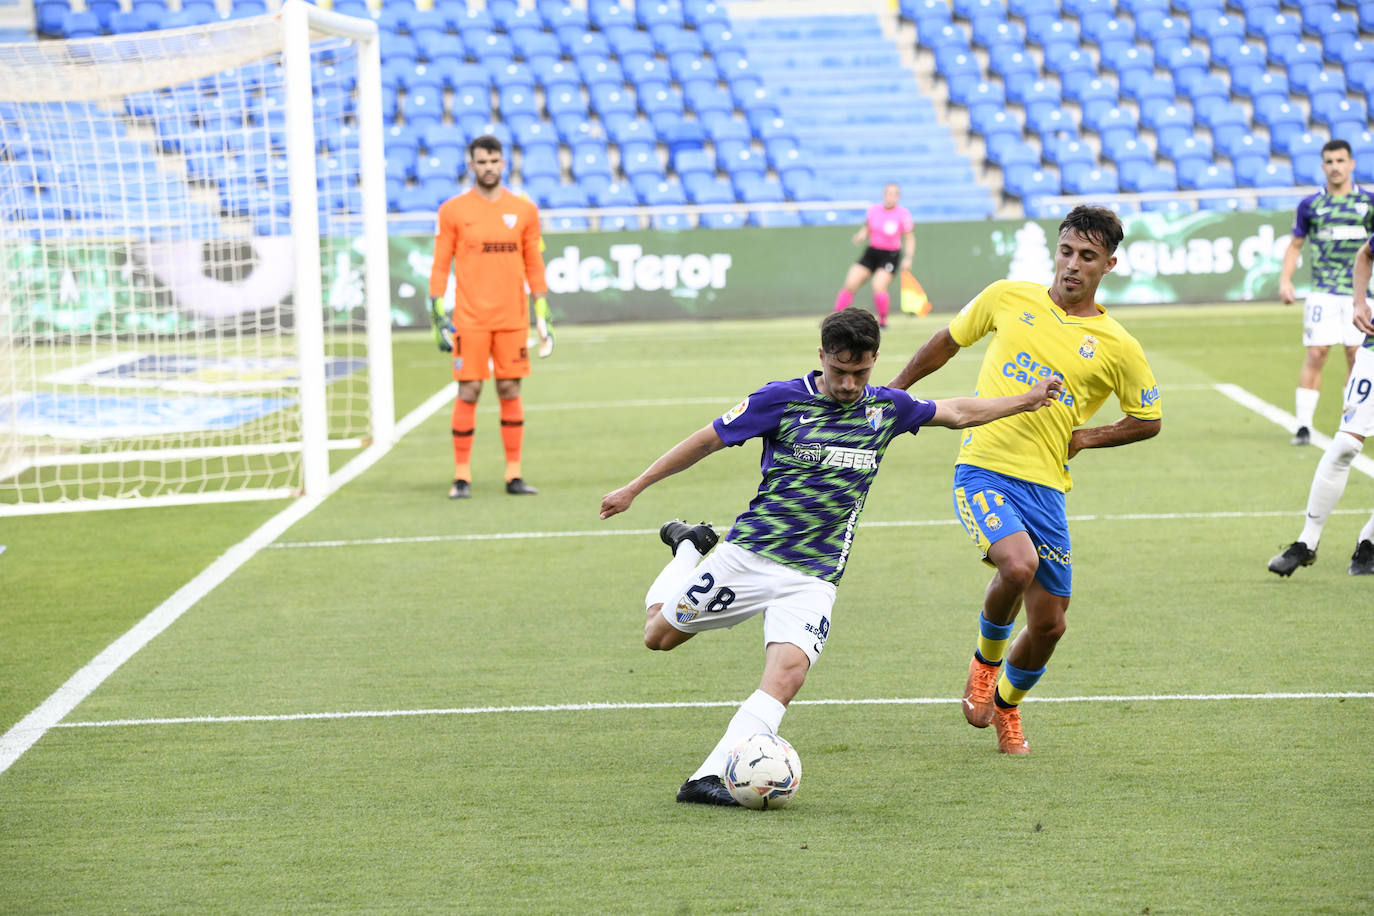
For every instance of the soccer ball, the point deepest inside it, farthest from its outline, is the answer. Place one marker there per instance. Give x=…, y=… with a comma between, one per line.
x=763, y=771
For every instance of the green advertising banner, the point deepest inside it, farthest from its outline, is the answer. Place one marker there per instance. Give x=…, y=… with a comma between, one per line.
x=171, y=288
x=745, y=273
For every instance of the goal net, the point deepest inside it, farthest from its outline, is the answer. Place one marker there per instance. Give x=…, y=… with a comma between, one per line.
x=194, y=303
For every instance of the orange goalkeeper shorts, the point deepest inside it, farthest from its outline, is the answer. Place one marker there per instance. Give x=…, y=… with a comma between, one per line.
x=480, y=354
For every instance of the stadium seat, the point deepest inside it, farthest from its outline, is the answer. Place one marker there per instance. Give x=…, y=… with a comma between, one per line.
x=1051, y=124
x=1091, y=181
x=1072, y=66
x=1213, y=177
x=1335, y=110
x=83, y=24
x=1266, y=175
x=1151, y=178
x=1070, y=154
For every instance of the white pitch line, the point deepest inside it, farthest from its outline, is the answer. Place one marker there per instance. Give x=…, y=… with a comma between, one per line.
x=640, y=532
x=1362, y=463
x=50, y=713
x=705, y=704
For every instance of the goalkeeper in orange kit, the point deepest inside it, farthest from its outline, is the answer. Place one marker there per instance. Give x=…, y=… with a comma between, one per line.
x=490, y=240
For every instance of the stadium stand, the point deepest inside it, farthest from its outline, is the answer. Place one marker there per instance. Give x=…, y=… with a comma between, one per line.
x=666, y=102
x=1199, y=94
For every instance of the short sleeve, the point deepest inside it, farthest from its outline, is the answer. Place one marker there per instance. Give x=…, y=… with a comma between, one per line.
x=1137, y=390
x=978, y=318
x=1302, y=222
x=756, y=415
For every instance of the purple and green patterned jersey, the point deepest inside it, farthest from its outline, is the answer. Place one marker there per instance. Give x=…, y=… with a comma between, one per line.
x=819, y=459
x=1335, y=226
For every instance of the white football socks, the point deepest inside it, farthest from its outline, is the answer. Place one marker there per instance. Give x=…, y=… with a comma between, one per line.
x=1305, y=400
x=668, y=586
x=1328, y=483
x=759, y=713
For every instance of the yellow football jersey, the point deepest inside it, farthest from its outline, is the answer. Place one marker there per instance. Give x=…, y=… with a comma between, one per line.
x=1034, y=338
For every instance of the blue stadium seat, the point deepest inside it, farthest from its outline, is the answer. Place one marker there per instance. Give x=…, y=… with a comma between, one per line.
x=615, y=195
x=665, y=193
x=1012, y=65
x=1093, y=93
x=1031, y=183
x=991, y=31
x=1127, y=154
x=1070, y=154
x=566, y=197
x=1259, y=174
x=1150, y=178
x=1213, y=177
x=708, y=189
x=82, y=24
x=1051, y=124
x=1091, y=181
x=123, y=23
x=1335, y=110
x=447, y=163
x=1072, y=66
x=1059, y=38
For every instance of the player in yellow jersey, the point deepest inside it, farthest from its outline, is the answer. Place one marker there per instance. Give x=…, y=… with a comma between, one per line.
x=1012, y=474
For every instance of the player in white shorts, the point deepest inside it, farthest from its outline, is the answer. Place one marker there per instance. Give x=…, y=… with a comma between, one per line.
x=1357, y=424
x=823, y=437
x=1336, y=220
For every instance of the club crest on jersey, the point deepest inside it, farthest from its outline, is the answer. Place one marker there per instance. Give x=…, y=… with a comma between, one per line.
x=509, y=219
x=874, y=415
x=992, y=521
x=685, y=612
x=734, y=412
x=1088, y=348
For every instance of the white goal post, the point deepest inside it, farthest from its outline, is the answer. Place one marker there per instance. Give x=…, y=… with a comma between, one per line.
x=194, y=290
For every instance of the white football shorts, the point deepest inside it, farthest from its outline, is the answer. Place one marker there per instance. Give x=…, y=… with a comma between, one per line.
x=1328, y=320
x=1357, y=416
x=733, y=584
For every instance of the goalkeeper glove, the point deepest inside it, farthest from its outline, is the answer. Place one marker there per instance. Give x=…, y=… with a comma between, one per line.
x=438, y=320
x=544, y=326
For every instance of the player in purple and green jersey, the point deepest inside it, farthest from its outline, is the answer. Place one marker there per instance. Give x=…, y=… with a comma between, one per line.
x=1357, y=425
x=1335, y=220
x=823, y=436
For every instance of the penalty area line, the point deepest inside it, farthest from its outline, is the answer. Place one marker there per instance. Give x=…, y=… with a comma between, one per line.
x=50, y=713
x=701, y=704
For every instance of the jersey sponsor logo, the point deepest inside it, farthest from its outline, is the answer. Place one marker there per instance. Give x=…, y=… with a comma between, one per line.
x=1149, y=396
x=1028, y=370
x=1027, y=318
x=510, y=219
x=812, y=453
x=802, y=421
x=1355, y=233
x=499, y=247
x=1088, y=348
x=874, y=415
x=731, y=414
x=860, y=458
x=848, y=536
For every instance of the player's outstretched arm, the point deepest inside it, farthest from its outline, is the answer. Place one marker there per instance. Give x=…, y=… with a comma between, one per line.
x=678, y=458
x=959, y=413
x=1123, y=432
x=933, y=354
x=1360, y=274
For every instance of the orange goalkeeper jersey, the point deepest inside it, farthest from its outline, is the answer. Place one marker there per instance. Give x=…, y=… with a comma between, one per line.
x=493, y=248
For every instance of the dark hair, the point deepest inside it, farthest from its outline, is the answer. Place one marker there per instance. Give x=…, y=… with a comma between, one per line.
x=486, y=142
x=1333, y=145
x=1096, y=223
x=851, y=331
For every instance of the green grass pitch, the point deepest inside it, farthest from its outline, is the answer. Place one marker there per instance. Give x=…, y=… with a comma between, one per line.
x=412, y=705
